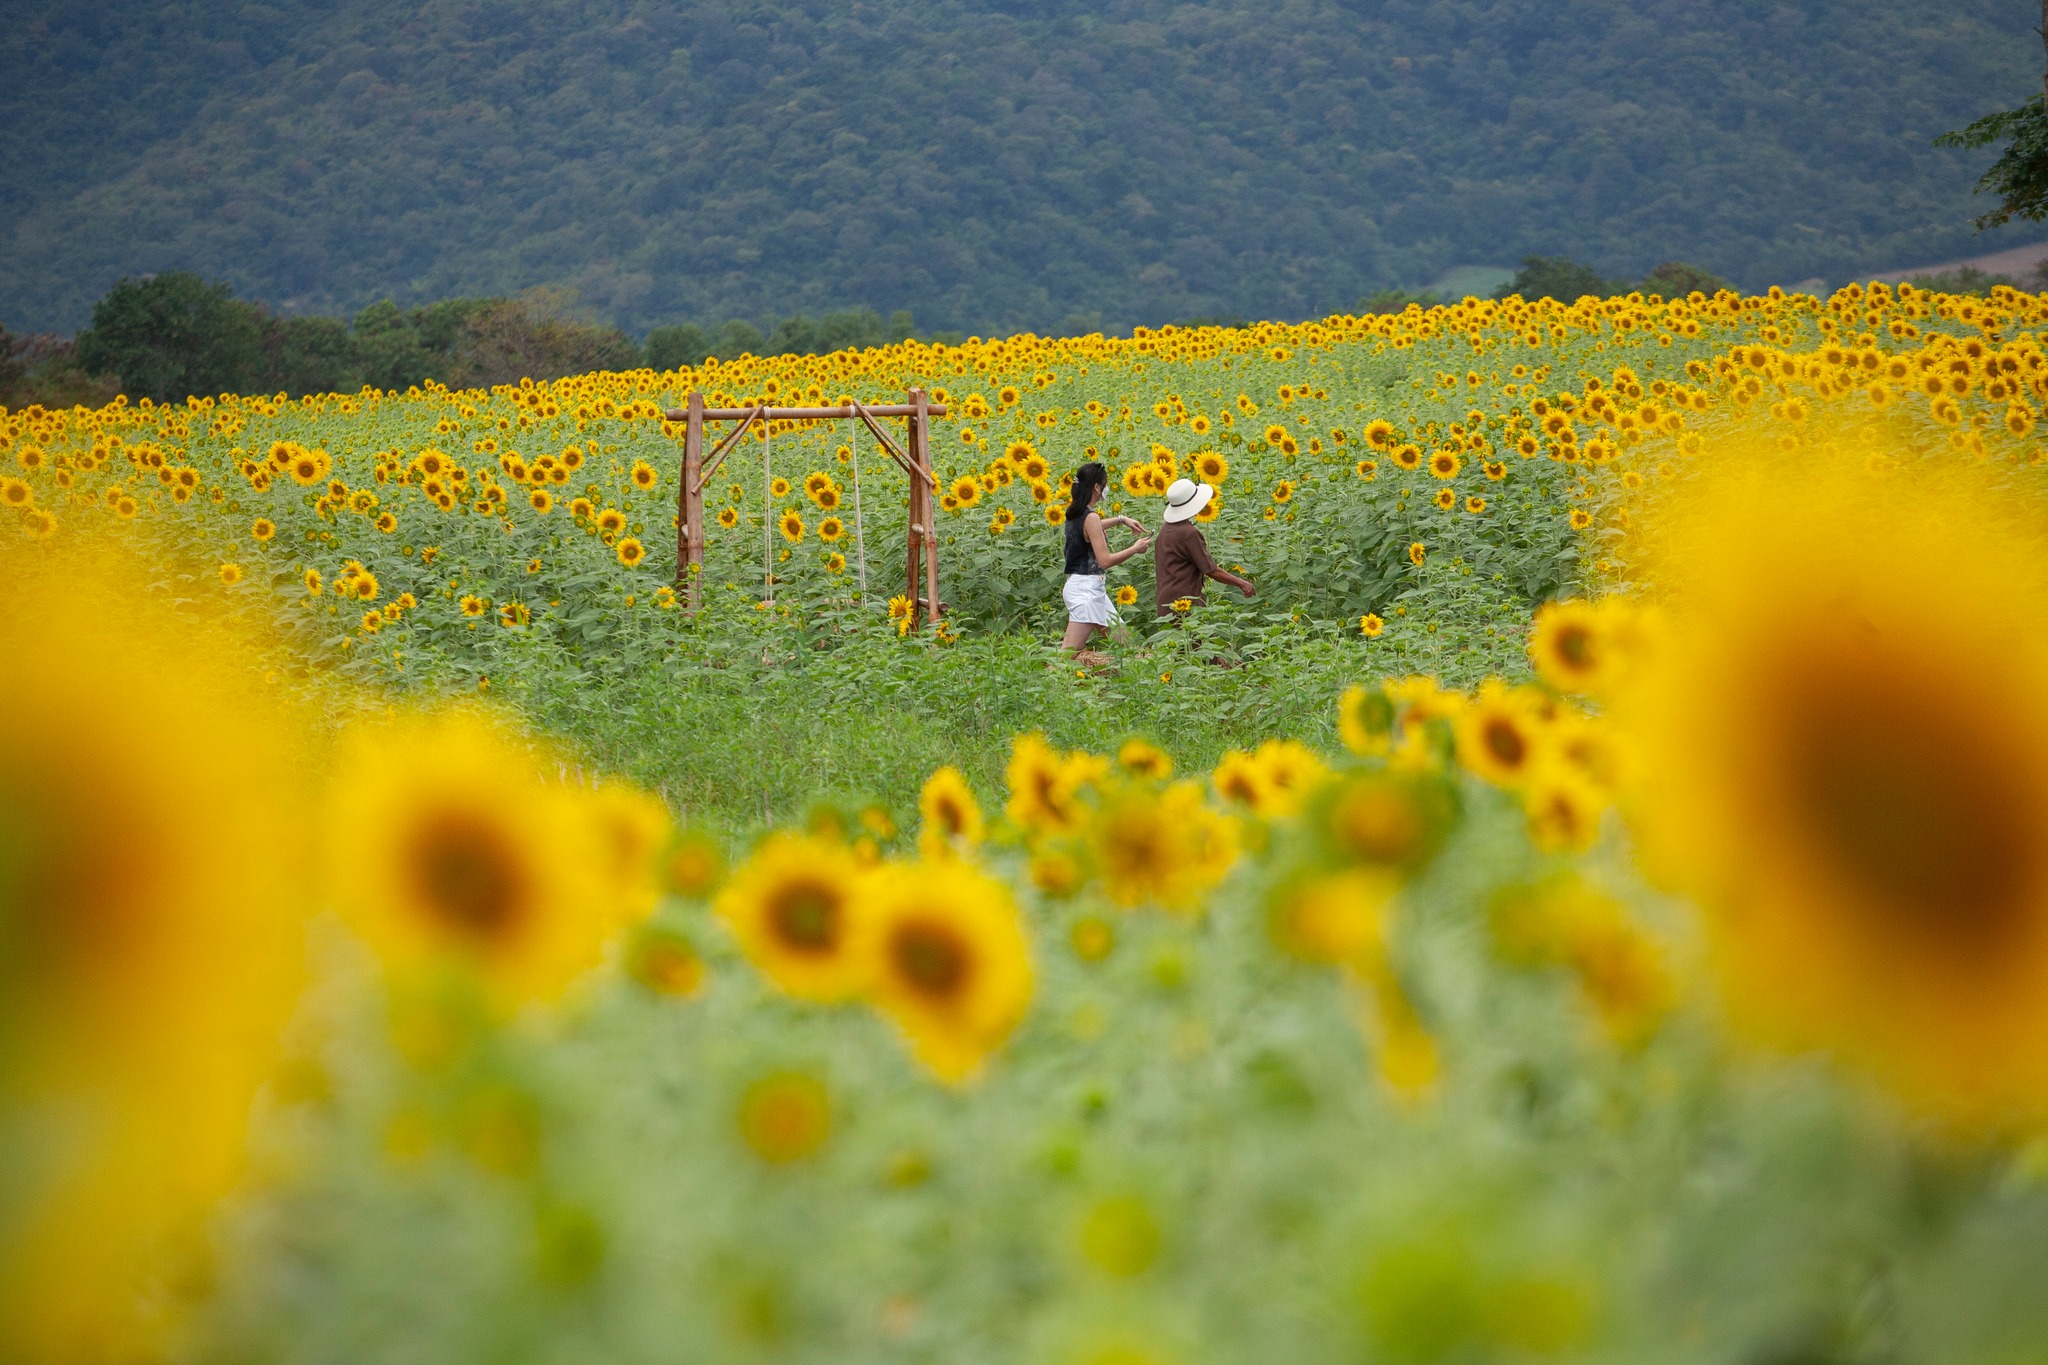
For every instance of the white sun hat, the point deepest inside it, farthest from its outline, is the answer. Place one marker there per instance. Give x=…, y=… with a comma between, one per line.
x=1186, y=498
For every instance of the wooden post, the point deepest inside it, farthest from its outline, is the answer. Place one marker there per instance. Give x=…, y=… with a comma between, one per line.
x=690, y=503
x=920, y=452
x=920, y=517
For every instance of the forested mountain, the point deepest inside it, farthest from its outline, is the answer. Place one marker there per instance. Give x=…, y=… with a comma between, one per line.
x=992, y=164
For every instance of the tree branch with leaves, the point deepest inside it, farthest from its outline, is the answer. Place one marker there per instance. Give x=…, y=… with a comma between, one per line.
x=2020, y=175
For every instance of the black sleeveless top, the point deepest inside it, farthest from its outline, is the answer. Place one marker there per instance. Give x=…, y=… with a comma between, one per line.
x=1080, y=554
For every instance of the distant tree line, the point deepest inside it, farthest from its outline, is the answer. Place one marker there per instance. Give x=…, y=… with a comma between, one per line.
x=1563, y=279
x=175, y=334
x=172, y=335
x=1557, y=277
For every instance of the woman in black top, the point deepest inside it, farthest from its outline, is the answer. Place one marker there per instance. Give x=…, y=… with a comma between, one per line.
x=1089, y=557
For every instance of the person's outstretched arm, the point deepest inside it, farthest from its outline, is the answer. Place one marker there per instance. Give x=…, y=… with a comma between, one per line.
x=1238, y=581
x=1093, y=529
x=1211, y=569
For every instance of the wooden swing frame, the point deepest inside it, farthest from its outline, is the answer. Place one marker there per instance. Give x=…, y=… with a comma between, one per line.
x=922, y=549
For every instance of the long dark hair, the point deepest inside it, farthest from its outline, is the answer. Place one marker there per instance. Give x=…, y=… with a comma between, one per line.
x=1087, y=479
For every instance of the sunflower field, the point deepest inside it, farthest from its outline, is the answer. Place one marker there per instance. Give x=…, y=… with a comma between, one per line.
x=1590, y=905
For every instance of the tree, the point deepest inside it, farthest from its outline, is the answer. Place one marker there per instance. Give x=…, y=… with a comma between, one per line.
x=1676, y=279
x=174, y=335
x=1397, y=301
x=2020, y=175
x=42, y=368
x=536, y=336
x=1966, y=279
x=740, y=337
x=672, y=348
x=13, y=363
x=1560, y=278
x=312, y=355
x=400, y=349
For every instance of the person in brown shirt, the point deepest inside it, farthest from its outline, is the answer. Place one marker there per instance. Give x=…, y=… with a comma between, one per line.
x=1180, y=557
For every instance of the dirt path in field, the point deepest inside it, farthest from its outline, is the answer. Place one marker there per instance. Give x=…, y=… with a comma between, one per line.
x=2017, y=262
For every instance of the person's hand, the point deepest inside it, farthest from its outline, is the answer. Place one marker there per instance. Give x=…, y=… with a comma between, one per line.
x=1246, y=585
x=1142, y=544
x=1133, y=523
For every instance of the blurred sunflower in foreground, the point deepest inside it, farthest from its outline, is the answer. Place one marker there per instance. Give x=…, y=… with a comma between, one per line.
x=1844, y=757
x=149, y=949
x=453, y=845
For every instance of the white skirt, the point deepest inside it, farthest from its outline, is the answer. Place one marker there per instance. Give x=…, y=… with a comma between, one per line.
x=1087, y=598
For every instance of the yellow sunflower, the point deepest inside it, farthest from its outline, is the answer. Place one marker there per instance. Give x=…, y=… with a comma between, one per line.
x=1167, y=848
x=1335, y=917
x=1141, y=759
x=1365, y=716
x=1501, y=735
x=792, y=907
x=952, y=821
x=1046, y=787
x=478, y=856
x=1573, y=647
x=153, y=949
x=947, y=960
x=1845, y=757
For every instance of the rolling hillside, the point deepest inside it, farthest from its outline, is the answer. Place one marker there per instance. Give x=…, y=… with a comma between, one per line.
x=991, y=164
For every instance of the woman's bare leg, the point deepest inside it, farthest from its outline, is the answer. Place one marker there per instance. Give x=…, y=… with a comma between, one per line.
x=1079, y=633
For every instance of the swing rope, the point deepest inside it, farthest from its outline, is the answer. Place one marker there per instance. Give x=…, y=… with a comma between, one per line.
x=768, y=510
x=860, y=542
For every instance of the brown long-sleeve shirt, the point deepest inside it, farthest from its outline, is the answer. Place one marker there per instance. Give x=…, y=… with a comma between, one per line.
x=1180, y=565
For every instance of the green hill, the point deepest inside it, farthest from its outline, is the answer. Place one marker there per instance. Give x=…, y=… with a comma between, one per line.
x=990, y=164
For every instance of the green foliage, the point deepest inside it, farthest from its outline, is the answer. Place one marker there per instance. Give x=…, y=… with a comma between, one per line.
x=398, y=349
x=1397, y=300
x=1556, y=277
x=44, y=369
x=2020, y=175
x=673, y=348
x=996, y=166
x=172, y=335
x=537, y=336
x=1563, y=279
x=1966, y=279
x=1676, y=279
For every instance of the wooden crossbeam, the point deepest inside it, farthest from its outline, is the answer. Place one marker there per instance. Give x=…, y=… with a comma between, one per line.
x=724, y=448
x=895, y=451
x=805, y=414
x=922, y=549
